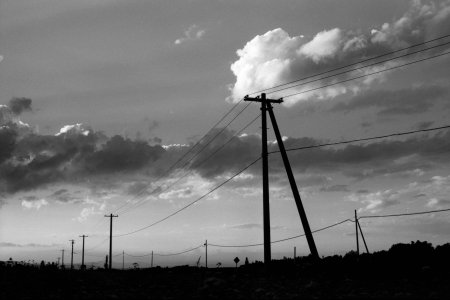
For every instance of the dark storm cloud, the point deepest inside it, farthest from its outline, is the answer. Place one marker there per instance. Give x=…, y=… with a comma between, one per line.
x=74, y=155
x=398, y=102
x=7, y=142
x=19, y=105
x=359, y=161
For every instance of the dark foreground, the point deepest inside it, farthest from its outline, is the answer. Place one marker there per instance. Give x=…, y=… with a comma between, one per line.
x=406, y=271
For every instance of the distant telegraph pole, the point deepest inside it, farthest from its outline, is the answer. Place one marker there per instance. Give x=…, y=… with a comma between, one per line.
x=62, y=259
x=266, y=105
x=71, y=256
x=111, y=216
x=151, y=262
x=82, y=253
x=206, y=254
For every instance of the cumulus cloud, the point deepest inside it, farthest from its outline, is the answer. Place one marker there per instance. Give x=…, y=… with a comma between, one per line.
x=74, y=154
x=193, y=33
x=275, y=57
x=34, y=204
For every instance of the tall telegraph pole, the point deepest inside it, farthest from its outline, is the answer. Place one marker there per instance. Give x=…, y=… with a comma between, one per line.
x=111, y=216
x=266, y=106
x=71, y=256
x=82, y=253
x=62, y=259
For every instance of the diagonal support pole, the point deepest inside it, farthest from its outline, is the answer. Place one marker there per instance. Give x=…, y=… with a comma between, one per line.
x=295, y=192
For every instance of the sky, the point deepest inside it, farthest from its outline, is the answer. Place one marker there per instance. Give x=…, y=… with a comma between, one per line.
x=100, y=98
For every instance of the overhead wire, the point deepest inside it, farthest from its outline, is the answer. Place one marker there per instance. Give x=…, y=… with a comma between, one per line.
x=404, y=214
x=193, y=157
x=193, y=202
x=201, y=163
x=293, y=149
x=359, y=68
x=365, y=75
x=186, y=153
x=352, y=64
x=168, y=254
x=281, y=240
x=297, y=93
x=362, y=139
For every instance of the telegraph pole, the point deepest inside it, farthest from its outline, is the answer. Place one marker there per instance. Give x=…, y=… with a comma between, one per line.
x=62, y=259
x=151, y=262
x=82, y=253
x=123, y=260
x=111, y=216
x=266, y=106
x=71, y=257
x=356, y=227
x=265, y=175
x=206, y=253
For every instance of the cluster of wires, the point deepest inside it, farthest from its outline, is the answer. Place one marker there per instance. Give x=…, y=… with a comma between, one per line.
x=187, y=163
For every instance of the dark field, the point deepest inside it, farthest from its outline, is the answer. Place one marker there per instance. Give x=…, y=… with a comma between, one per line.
x=406, y=271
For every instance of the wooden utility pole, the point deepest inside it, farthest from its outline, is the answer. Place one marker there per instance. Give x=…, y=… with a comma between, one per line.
x=111, y=216
x=71, y=256
x=356, y=230
x=265, y=174
x=206, y=253
x=151, y=262
x=83, y=267
x=266, y=106
x=123, y=260
x=62, y=259
x=295, y=252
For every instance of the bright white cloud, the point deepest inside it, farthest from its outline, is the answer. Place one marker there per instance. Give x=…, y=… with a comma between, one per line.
x=324, y=45
x=275, y=57
x=191, y=34
x=74, y=130
x=34, y=204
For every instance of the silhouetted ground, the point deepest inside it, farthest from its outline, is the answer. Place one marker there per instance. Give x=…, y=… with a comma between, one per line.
x=406, y=271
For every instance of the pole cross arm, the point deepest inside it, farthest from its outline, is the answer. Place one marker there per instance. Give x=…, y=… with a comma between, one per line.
x=259, y=99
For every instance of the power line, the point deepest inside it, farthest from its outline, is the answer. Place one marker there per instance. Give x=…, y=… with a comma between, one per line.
x=185, y=154
x=201, y=163
x=330, y=226
x=193, y=157
x=291, y=149
x=352, y=64
x=169, y=254
x=359, y=68
x=364, y=139
x=282, y=240
x=366, y=75
x=193, y=202
x=405, y=214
